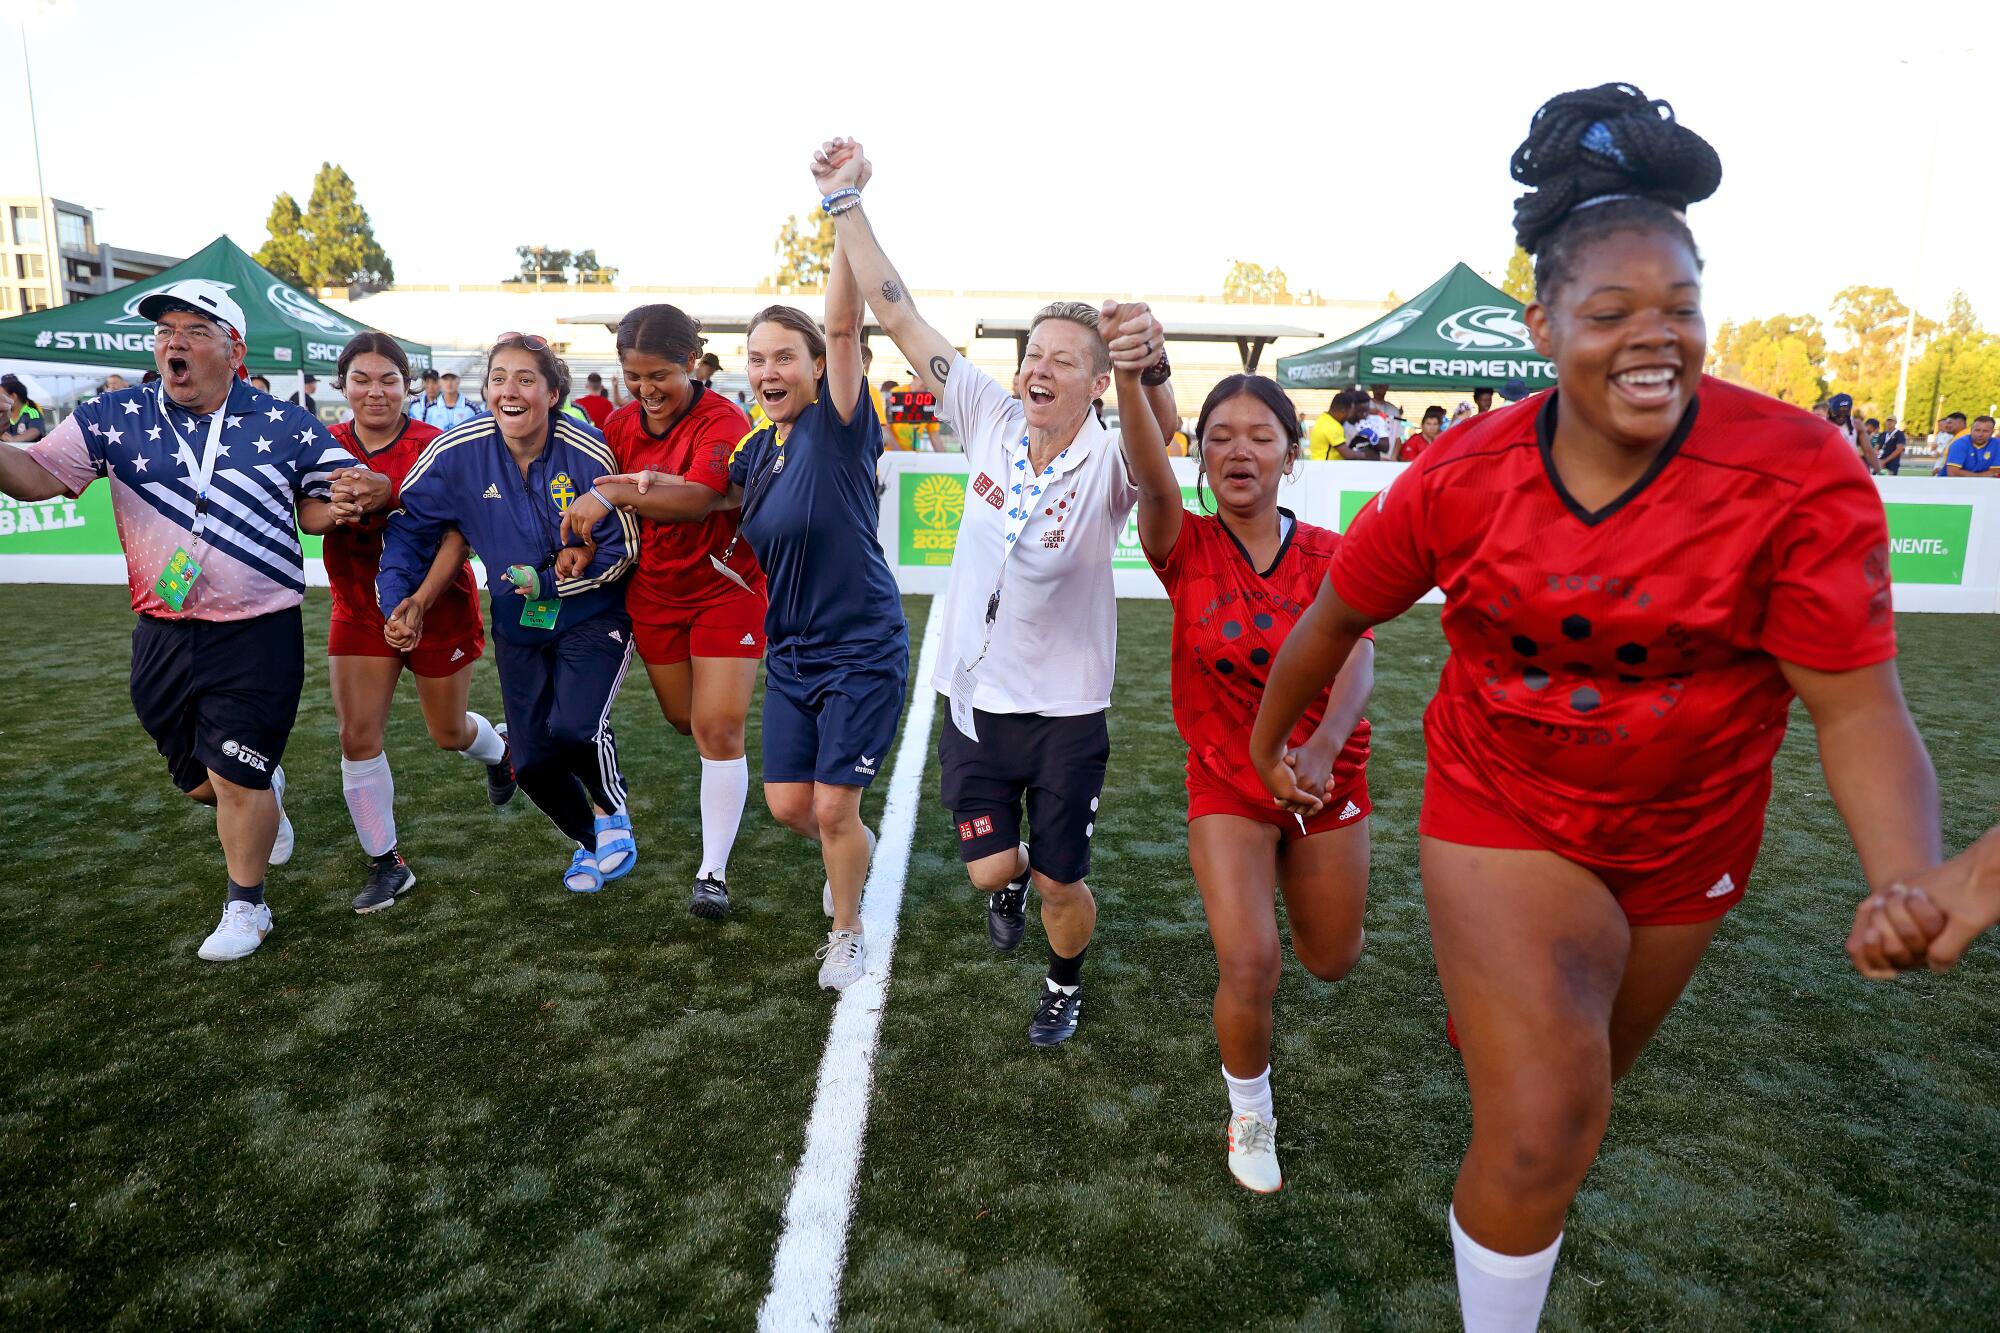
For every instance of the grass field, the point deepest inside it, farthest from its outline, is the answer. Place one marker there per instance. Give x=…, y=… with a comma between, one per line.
x=503, y=1106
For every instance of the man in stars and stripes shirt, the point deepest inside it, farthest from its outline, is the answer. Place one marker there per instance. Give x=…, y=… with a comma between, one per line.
x=206, y=474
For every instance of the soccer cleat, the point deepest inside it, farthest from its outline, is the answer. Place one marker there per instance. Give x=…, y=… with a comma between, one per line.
x=242, y=928
x=283, y=845
x=500, y=777
x=826, y=886
x=389, y=878
x=583, y=876
x=617, y=854
x=1055, y=1016
x=1007, y=913
x=1253, y=1153
x=844, y=957
x=711, y=898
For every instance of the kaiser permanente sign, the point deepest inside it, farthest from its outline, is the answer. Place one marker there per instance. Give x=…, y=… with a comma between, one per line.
x=1944, y=532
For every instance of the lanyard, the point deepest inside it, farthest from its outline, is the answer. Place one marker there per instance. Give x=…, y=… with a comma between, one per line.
x=202, y=471
x=1026, y=491
x=751, y=490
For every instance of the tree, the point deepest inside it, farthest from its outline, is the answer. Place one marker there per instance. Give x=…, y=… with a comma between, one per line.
x=287, y=253
x=543, y=265
x=1253, y=283
x=1869, y=357
x=1958, y=316
x=1520, y=280
x=805, y=253
x=332, y=244
x=589, y=270
x=1958, y=372
x=1784, y=356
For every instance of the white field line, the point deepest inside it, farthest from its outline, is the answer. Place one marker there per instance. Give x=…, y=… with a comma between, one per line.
x=812, y=1250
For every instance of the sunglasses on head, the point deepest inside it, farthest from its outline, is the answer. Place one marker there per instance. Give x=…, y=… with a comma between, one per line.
x=534, y=342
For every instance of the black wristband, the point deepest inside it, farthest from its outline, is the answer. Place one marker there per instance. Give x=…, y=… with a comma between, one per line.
x=1158, y=373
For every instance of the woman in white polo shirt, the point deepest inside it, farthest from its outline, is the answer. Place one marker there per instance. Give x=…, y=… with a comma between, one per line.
x=1030, y=617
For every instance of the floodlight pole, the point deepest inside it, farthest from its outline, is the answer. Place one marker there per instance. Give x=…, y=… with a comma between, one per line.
x=1916, y=279
x=57, y=296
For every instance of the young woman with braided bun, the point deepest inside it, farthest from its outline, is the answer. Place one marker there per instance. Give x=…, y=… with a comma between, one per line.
x=1641, y=568
x=697, y=601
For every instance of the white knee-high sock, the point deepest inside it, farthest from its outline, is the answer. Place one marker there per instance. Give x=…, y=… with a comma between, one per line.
x=371, y=800
x=1250, y=1094
x=1500, y=1293
x=487, y=747
x=725, y=786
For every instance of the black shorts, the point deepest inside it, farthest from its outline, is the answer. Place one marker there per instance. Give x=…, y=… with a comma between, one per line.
x=1056, y=763
x=219, y=694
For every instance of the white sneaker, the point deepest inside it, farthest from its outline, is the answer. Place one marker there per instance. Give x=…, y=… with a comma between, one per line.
x=242, y=928
x=846, y=957
x=281, y=848
x=1253, y=1153
x=826, y=886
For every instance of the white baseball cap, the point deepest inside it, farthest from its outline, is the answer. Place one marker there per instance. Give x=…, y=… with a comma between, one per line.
x=199, y=295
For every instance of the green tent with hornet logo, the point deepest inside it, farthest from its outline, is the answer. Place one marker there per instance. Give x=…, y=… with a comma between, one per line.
x=289, y=331
x=1459, y=332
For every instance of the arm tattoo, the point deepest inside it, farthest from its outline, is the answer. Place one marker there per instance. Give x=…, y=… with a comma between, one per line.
x=892, y=291
x=940, y=369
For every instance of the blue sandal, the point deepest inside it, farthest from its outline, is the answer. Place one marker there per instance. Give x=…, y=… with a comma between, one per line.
x=623, y=851
x=584, y=865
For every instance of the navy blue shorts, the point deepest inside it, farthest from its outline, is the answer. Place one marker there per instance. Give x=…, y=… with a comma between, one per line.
x=219, y=695
x=557, y=691
x=830, y=723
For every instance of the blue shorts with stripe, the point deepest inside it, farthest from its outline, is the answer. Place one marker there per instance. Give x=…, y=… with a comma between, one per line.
x=831, y=721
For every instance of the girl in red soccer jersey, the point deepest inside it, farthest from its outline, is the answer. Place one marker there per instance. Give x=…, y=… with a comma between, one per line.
x=699, y=629
x=436, y=633
x=1641, y=569
x=1239, y=579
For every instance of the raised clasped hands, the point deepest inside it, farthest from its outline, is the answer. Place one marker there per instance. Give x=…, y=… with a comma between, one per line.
x=838, y=164
x=1135, y=338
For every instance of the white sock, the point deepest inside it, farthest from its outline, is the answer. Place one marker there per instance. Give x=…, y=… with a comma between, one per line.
x=725, y=786
x=1250, y=1094
x=371, y=800
x=488, y=747
x=1500, y=1293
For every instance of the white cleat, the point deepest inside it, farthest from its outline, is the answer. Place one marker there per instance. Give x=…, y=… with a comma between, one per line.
x=1253, y=1153
x=281, y=847
x=826, y=885
x=242, y=928
x=845, y=959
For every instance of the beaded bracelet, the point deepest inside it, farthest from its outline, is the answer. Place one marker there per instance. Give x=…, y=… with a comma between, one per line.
x=826, y=204
x=1158, y=373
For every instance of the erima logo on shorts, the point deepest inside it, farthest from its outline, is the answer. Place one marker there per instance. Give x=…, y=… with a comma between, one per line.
x=867, y=765
x=1722, y=886
x=243, y=754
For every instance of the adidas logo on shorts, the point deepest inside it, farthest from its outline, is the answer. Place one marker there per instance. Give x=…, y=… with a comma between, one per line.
x=1722, y=886
x=492, y=492
x=1350, y=810
x=457, y=653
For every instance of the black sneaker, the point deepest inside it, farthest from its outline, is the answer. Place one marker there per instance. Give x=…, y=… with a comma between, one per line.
x=1007, y=913
x=1055, y=1016
x=500, y=777
x=389, y=877
x=711, y=898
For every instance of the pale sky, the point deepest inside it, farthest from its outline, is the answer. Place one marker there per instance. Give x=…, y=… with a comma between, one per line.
x=1129, y=148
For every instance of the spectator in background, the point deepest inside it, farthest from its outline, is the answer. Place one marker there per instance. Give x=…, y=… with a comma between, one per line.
x=1329, y=431
x=1820, y=410
x=1840, y=414
x=420, y=402
x=1482, y=399
x=706, y=369
x=450, y=408
x=24, y=423
x=1889, y=447
x=1948, y=432
x=113, y=383
x=1974, y=454
x=1515, y=390
x=257, y=382
x=596, y=404
x=1392, y=416
x=304, y=398
x=1427, y=435
x=1462, y=412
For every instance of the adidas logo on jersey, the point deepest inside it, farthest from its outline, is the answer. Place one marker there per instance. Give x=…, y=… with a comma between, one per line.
x=1350, y=810
x=492, y=492
x=748, y=641
x=1722, y=886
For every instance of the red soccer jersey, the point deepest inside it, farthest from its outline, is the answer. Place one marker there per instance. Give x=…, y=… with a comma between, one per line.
x=353, y=554
x=597, y=407
x=674, y=572
x=1613, y=682
x=1229, y=621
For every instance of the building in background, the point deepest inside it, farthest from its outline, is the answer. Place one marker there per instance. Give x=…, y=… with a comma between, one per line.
x=84, y=265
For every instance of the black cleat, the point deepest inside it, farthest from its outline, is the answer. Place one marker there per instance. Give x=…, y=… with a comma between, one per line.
x=500, y=777
x=711, y=898
x=1055, y=1016
x=389, y=878
x=1007, y=913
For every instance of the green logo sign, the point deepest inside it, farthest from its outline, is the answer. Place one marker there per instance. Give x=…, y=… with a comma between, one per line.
x=931, y=504
x=58, y=527
x=1352, y=503
x=1927, y=542
x=1127, y=553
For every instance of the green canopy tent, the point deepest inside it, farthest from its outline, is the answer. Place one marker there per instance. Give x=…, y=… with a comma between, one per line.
x=290, y=333
x=1459, y=332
